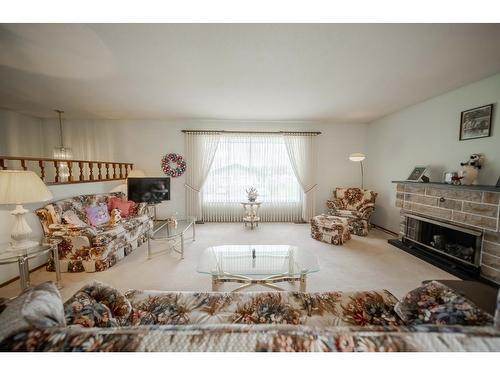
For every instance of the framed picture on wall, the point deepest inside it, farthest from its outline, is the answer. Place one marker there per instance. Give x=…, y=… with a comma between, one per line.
x=417, y=173
x=476, y=122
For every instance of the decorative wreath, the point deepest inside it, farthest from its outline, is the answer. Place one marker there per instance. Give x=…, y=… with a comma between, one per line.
x=179, y=164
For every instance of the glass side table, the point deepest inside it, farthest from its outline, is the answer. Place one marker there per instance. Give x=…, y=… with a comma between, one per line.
x=162, y=230
x=22, y=257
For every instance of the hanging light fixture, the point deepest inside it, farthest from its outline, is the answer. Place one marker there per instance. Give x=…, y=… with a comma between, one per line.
x=62, y=152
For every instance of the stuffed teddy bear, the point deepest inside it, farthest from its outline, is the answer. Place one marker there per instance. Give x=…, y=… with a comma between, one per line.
x=470, y=169
x=116, y=216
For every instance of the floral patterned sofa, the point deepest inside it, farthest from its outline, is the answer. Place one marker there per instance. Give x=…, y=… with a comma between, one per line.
x=100, y=318
x=354, y=204
x=88, y=248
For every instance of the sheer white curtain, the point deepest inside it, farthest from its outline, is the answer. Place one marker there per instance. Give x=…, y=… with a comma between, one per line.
x=244, y=160
x=303, y=157
x=200, y=152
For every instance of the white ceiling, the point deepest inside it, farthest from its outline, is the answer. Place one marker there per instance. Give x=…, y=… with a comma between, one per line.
x=321, y=72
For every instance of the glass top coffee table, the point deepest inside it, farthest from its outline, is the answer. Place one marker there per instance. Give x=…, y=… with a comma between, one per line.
x=164, y=230
x=257, y=264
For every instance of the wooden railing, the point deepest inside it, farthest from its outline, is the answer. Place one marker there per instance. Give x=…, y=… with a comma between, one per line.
x=58, y=171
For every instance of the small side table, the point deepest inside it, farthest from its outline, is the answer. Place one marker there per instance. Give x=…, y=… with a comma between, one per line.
x=22, y=257
x=251, y=213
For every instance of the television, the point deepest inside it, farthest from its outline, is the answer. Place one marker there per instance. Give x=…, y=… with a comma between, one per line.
x=148, y=189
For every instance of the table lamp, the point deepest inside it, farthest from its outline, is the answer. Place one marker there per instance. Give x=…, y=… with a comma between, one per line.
x=19, y=187
x=358, y=156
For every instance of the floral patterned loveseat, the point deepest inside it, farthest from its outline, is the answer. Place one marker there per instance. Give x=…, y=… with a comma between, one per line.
x=354, y=204
x=88, y=248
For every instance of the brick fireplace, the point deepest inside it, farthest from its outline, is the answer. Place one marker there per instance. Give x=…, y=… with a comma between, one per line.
x=453, y=227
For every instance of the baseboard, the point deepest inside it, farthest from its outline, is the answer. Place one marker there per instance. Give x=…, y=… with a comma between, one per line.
x=385, y=230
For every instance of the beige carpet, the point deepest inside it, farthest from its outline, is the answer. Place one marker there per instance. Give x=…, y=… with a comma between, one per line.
x=364, y=263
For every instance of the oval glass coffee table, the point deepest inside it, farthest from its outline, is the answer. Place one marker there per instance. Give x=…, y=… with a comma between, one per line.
x=257, y=264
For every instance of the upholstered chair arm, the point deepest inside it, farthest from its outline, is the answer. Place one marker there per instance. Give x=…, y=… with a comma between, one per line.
x=45, y=219
x=366, y=210
x=141, y=209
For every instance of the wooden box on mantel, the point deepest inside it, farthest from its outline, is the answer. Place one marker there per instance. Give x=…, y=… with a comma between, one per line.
x=474, y=206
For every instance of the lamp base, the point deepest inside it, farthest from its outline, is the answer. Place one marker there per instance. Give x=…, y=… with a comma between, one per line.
x=21, y=231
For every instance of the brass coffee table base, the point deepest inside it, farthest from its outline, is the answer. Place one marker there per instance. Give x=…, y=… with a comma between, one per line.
x=267, y=281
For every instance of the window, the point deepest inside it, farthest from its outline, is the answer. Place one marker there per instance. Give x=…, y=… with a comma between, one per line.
x=248, y=160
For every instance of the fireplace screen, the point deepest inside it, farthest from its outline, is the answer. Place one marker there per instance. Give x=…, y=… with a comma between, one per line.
x=456, y=242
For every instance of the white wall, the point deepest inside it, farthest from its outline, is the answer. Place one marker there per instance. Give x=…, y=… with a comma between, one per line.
x=427, y=134
x=20, y=135
x=144, y=142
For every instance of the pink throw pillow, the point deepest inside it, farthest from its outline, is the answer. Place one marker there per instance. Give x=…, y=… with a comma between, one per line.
x=127, y=208
x=111, y=202
x=98, y=215
x=124, y=207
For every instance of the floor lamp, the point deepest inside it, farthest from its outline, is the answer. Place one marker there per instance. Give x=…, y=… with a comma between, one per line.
x=358, y=156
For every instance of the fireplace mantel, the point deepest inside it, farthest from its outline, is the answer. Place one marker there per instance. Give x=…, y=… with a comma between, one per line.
x=474, y=207
x=449, y=186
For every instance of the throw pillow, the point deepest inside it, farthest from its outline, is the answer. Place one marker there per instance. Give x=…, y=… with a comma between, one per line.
x=127, y=208
x=435, y=303
x=97, y=305
x=38, y=307
x=97, y=215
x=111, y=201
x=70, y=217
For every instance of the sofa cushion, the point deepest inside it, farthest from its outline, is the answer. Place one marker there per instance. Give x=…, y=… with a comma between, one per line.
x=37, y=307
x=435, y=303
x=108, y=234
x=97, y=305
x=71, y=218
x=323, y=309
x=98, y=215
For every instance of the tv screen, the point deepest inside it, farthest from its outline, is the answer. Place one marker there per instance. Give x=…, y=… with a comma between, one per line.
x=148, y=189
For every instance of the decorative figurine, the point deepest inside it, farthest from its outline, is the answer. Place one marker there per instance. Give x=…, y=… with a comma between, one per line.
x=470, y=169
x=116, y=216
x=252, y=194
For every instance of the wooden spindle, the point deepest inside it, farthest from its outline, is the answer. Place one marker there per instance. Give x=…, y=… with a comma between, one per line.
x=70, y=171
x=107, y=171
x=114, y=171
x=99, y=175
x=2, y=164
x=81, y=177
x=120, y=166
x=56, y=166
x=91, y=171
x=42, y=169
x=23, y=165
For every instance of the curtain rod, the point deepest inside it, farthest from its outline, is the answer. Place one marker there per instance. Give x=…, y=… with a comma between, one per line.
x=249, y=132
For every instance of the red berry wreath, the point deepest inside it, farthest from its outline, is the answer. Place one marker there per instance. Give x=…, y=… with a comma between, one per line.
x=179, y=165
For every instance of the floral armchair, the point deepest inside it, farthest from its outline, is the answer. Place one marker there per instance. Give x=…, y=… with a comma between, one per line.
x=86, y=248
x=354, y=204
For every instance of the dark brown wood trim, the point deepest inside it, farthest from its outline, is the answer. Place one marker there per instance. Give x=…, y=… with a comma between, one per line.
x=385, y=230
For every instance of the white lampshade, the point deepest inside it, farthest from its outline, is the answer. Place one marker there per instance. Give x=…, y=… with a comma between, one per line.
x=136, y=173
x=18, y=187
x=357, y=156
